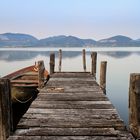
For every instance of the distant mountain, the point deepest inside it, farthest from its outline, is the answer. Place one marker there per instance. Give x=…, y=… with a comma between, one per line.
x=66, y=41
x=16, y=39
x=137, y=40
x=25, y=40
x=115, y=41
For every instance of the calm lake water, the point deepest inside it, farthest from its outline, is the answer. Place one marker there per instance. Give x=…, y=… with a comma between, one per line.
x=120, y=63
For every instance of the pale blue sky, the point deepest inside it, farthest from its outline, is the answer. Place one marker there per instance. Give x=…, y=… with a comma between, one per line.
x=94, y=19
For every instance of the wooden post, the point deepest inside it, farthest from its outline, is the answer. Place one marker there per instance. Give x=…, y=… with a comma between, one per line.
x=84, y=60
x=60, y=60
x=134, y=104
x=93, y=63
x=6, y=117
x=103, y=76
x=41, y=69
x=52, y=63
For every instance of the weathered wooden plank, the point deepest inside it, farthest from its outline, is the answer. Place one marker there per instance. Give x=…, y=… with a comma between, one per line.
x=67, y=79
x=25, y=85
x=66, y=132
x=71, y=83
x=72, y=104
x=71, y=74
x=27, y=138
x=36, y=123
x=24, y=81
x=61, y=98
x=72, y=96
x=30, y=74
x=72, y=111
x=93, y=116
x=72, y=89
x=68, y=89
x=68, y=124
x=70, y=138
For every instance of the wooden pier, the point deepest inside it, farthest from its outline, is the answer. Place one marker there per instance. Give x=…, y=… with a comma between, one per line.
x=71, y=106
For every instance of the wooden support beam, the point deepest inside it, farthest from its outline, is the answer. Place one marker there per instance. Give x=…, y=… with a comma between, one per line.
x=134, y=104
x=103, y=76
x=93, y=63
x=6, y=117
x=41, y=69
x=84, y=59
x=52, y=63
x=60, y=60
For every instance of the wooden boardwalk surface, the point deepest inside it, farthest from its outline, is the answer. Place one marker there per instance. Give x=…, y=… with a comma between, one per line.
x=71, y=107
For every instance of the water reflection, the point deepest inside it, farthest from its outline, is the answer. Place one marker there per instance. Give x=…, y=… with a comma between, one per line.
x=26, y=55
x=117, y=54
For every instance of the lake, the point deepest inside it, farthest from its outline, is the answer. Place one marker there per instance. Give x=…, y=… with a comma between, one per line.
x=120, y=63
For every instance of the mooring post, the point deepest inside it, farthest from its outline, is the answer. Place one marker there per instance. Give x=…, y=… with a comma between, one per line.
x=60, y=60
x=134, y=104
x=6, y=117
x=93, y=63
x=103, y=76
x=41, y=69
x=52, y=63
x=84, y=60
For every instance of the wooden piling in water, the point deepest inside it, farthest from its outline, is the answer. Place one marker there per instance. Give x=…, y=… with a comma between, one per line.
x=84, y=59
x=60, y=60
x=93, y=63
x=6, y=117
x=41, y=69
x=103, y=76
x=52, y=63
x=134, y=104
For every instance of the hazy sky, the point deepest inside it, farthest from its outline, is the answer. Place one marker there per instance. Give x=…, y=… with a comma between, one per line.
x=94, y=19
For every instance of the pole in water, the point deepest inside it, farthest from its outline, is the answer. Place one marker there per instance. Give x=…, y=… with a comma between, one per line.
x=6, y=116
x=93, y=63
x=52, y=63
x=103, y=76
x=60, y=60
x=41, y=69
x=84, y=60
x=134, y=104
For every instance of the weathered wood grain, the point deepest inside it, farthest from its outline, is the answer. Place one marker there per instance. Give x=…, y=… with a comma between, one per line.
x=70, y=138
x=60, y=122
x=41, y=69
x=60, y=60
x=82, y=116
x=6, y=118
x=72, y=106
x=72, y=97
x=66, y=132
x=24, y=81
x=93, y=63
x=72, y=111
x=52, y=63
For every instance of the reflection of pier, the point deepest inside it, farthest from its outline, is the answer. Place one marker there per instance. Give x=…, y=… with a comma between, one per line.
x=27, y=55
x=72, y=106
